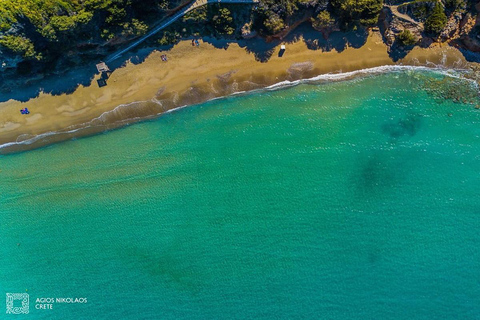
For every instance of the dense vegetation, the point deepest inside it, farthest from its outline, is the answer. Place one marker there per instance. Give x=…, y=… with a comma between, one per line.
x=273, y=16
x=33, y=28
x=406, y=38
x=21, y=46
x=323, y=20
x=46, y=30
x=436, y=21
x=357, y=12
x=212, y=20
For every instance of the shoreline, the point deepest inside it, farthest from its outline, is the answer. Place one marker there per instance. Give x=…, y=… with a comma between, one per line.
x=191, y=76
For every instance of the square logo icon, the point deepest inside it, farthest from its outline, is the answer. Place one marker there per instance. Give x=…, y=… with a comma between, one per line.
x=18, y=303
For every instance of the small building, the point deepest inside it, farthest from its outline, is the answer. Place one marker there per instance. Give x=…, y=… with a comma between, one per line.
x=102, y=67
x=104, y=70
x=282, y=47
x=101, y=83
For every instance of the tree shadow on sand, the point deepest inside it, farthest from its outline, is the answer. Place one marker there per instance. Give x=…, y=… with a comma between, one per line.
x=69, y=81
x=56, y=84
x=338, y=41
x=398, y=51
x=261, y=49
x=314, y=40
x=23, y=87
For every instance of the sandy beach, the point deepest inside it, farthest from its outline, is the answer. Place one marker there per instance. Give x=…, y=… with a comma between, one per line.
x=191, y=75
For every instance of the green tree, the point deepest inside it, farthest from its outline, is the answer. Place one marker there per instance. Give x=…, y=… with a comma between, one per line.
x=20, y=45
x=62, y=23
x=223, y=21
x=197, y=15
x=436, y=21
x=135, y=28
x=353, y=12
x=83, y=17
x=453, y=4
x=323, y=20
x=274, y=24
x=406, y=38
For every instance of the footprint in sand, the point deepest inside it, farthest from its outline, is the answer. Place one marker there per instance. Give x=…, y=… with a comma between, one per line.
x=9, y=126
x=34, y=118
x=75, y=113
x=64, y=107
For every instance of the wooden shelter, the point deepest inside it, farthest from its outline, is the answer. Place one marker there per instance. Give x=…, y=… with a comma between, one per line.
x=102, y=67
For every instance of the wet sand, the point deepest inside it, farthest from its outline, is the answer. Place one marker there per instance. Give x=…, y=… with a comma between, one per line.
x=191, y=75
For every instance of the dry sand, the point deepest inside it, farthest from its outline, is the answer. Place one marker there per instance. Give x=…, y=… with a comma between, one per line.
x=191, y=75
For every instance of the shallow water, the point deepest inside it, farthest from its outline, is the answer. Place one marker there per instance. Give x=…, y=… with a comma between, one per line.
x=350, y=200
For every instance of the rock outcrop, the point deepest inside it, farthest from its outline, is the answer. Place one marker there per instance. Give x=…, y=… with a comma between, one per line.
x=469, y=37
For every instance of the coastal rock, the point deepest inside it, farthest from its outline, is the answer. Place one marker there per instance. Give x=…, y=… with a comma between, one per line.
x=250, y=35
x=247, y=32
x=452, y=27
x=417, y=10
x=468, y=39
x=391, y=26
x=470, y=44
x=8, y=61
x=467, y=23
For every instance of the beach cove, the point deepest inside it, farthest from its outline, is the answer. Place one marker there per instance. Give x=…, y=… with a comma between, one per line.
x=192, y=75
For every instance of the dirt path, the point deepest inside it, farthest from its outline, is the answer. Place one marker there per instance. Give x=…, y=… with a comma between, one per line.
x=174, y=18
x=403, y=16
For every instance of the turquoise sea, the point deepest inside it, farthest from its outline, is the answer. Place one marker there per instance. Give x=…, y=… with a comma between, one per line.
x=357, y=199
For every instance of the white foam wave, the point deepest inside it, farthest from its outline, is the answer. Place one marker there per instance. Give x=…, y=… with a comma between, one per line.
x=37, y=137
x=175, y=109
x=368, y=71
x=100, y=120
